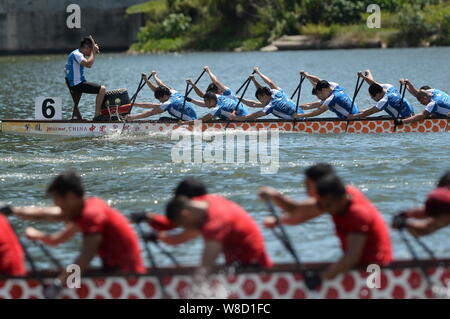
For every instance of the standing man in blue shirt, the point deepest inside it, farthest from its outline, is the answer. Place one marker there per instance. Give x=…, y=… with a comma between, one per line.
x=78, y=59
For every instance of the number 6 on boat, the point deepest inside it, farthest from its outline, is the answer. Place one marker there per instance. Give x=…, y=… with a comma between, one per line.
x=48, y=108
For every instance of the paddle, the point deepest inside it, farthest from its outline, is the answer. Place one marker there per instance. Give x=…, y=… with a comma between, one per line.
x=302, y=78
x=283, y=236
x=402, y=92
x=415, y=258
x=299, y=89
x=151, y=259
x=310, y=277
x=358, y=87
x=152, y=237
x=247, y=83
x=49, y=255
x=140, y=87
x=425, y=247
x=188, y=91
x=134, y=97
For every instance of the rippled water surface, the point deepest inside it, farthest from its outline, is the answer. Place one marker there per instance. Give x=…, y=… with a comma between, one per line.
x=394, y=170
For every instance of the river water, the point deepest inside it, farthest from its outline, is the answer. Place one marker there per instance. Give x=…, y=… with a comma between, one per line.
x=134, y=173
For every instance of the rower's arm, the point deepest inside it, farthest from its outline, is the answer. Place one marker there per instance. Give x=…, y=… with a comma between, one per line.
x=364, y=113
x=53, y=239
x=417, y=212
x=214, y=79
x=251, y=103
x=311, y=78
x=255, y=81
x=198, y=102
x=418, y=117
x=296, y=212
x=34, y=213
x=301, y=212
x=211, y=252
x=266, y=79
x=176, y=239
x=355, y=242
x=147, y=105
x=320, y=110
x=145, y=114
x=160, y=83
x=149, y=83
x=90, y=246
x=368, y=77
x=252, y=116
x=197, y=89
x=312, y=105
x=426, y=226
x=411, y=88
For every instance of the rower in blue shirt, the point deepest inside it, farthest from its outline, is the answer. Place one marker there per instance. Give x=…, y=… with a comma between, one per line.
x=221, y=106
x=333, y=97
x=218, y=87
x=272, y=99
x=435, y=101
x=170, y=101
x=388, y=99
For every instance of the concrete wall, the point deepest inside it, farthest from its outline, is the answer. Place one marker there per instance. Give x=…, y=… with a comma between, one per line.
x=39, y=26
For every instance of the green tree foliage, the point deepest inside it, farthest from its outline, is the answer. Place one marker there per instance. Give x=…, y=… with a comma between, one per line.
x=228, y=24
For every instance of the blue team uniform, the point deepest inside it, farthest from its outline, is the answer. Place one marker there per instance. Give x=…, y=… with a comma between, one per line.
x=281, y=106
x=390, y=103
x=174, y=106
x=340, y=103
x=440, y=102
x=225, y=106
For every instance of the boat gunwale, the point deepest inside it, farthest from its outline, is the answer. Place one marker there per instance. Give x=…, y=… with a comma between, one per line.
x=189, y=270
x=175, y=121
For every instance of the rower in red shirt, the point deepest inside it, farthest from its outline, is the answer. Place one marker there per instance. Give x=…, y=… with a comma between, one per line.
x=363, y=234
x=189, y=187
x=11, y=253
x=431, y=217
x=225, y=227
x=106, y=232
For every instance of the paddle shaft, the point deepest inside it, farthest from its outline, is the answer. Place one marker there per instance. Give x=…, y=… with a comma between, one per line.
x=188, y=91
x=247, y=83
x=133, y=98
x=140, y=87
x=151, y=259
x=299, y=89
x=49, y=255
x=358, y=87
x=196, y=81
x=284, y=236
x=425, y=247
x=416, y=258
x=402, y=92
x=169, y=255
